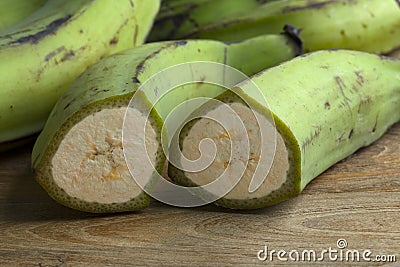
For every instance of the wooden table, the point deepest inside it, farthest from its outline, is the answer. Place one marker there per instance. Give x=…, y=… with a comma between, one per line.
x=357, y=199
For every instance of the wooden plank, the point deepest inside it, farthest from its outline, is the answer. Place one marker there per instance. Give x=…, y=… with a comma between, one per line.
x=358, y=199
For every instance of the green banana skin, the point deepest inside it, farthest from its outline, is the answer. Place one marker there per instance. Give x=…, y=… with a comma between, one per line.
x=41, y=55
x=339, y=102
x=178, y=18
x=13, y=11
x=370, y=26
x=94, y=91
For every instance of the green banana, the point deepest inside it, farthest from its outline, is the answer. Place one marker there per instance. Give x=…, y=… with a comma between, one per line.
x=13, y=11
x=178, y=18
x=41, y=55
x=319, y=109
x=371, y=26
x=86, y=123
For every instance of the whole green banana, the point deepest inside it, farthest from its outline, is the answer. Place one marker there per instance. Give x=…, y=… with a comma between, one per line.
x=78, y=157
x=41, y=55
x=317, y=110
x=365, y=25
x=13, y=11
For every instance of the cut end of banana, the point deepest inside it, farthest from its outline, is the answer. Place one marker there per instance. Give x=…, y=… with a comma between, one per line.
x=88, y=169
x=267, y=163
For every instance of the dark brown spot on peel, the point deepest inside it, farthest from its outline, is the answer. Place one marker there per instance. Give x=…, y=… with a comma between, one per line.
x=351, y=133
x=70, y=54
x=114, y=41
x=67, y=105
x=342, y=87
x=327, y=105
x=375, y=125
x=360, y=77
x=52, y=54
x=50, y=29
x=314, y=135
x=40, y=72
x=140, y=66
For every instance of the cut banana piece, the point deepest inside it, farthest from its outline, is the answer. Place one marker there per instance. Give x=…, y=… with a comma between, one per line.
x=340, y=101
x=95, y=171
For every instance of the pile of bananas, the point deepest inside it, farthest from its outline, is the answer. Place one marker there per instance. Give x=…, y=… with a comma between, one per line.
x=71, y=68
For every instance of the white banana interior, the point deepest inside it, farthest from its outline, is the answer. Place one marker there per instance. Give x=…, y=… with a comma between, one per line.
x=89, y=163
x=273, y=177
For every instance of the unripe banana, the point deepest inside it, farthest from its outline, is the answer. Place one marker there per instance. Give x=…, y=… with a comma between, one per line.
x=44, y=53
x=13, y=11
x=365, y=25
x=78, y=158
x=178, y=18
x=319, y=109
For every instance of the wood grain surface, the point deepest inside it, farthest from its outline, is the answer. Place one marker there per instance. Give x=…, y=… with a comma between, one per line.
x=358, y=199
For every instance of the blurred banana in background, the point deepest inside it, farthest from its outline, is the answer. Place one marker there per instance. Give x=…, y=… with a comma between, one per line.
x=42, y=54
x=179, y=17
x=365, y=25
